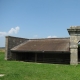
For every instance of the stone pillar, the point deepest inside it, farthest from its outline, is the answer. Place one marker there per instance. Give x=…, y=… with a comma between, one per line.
x=74, y=32
x=73, y=56
x=73, y=50
x=6, y=48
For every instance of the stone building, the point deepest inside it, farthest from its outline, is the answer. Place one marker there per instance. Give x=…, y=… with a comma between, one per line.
x=48, y=50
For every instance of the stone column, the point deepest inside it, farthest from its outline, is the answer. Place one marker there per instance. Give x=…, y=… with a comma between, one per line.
x=73, y=50
x=6, y=48
x=74, y=32
x=73, y=56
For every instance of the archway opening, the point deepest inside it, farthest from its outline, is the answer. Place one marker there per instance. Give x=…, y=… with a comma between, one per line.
x=79, y=52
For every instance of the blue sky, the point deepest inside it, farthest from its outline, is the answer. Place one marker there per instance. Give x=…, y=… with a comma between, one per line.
x=37, y=18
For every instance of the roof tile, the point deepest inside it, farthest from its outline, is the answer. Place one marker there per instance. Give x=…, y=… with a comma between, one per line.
x=49, y=44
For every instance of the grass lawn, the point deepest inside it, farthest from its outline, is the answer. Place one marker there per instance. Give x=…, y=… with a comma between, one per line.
x=2, y=50
x=15, y=70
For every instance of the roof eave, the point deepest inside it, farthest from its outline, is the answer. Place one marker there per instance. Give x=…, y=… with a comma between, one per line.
x=40, y=51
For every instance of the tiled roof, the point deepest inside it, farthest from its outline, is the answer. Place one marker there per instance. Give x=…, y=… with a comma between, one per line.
x=49, y=44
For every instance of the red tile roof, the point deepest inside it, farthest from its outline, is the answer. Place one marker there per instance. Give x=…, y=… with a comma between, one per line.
x=49, y=44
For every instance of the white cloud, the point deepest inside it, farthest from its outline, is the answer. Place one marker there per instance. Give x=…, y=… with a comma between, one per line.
x=52, y=37
x=36, y=36
x=14, y=30
x=11, y=31
x=3, y=34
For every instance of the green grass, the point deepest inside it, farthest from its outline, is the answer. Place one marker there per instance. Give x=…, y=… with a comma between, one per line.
x=2, y=50
x=15, y=70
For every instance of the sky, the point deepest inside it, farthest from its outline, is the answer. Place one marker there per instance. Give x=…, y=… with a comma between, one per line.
x=37, y=18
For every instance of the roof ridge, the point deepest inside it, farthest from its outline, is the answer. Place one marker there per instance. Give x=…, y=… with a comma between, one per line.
x=50, y=38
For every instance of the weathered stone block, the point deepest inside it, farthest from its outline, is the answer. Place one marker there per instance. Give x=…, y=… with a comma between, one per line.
x=74, y=57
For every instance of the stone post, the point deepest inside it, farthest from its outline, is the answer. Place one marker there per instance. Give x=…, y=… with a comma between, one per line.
x=74, y=32
x=73, y=56
x=6, y=48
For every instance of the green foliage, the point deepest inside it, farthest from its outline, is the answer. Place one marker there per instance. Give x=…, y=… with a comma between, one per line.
x=15, y=70
x=79, y=45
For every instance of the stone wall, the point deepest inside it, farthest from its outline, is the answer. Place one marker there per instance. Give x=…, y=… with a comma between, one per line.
x=10, y=43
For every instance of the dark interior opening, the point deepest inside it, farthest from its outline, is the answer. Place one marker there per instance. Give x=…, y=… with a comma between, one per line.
x=43, y=57
x=79, y=52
